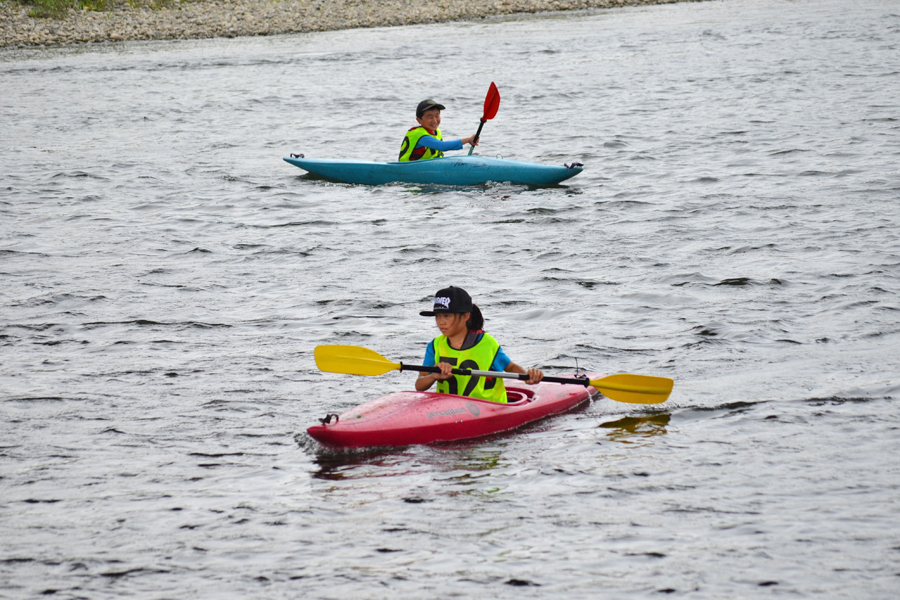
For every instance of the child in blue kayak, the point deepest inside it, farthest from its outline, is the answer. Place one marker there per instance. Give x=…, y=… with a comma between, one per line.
x=425, y=140
x=462, y=344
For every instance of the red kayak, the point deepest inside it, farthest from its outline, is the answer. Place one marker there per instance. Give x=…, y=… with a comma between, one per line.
x=405, y=418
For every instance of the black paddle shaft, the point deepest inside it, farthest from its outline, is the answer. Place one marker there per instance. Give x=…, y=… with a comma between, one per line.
x=478, y=133
x=520, y=376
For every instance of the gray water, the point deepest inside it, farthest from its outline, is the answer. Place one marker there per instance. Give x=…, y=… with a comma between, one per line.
x=165, y=276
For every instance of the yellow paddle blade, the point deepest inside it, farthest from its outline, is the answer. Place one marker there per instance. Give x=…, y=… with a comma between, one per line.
x=352, y=360
x=636, y=389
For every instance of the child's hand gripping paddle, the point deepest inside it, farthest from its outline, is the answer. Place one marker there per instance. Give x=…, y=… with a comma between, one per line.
x=491, y=104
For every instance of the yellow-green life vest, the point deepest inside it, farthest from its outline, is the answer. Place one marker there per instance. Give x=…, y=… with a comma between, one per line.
x=408, y=150
x=479, y=357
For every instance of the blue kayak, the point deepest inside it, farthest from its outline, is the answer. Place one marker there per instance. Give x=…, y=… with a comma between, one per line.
x=449, y=170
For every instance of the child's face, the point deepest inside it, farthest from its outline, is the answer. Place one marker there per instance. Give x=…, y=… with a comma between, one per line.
x=431, y=119
x=451, y=324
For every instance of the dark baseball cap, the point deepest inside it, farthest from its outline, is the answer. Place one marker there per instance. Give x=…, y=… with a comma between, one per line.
x=450, y=300
x=427, y=105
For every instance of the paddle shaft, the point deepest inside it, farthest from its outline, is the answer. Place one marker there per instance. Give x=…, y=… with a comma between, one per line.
x=477, y=134
x=474, y=373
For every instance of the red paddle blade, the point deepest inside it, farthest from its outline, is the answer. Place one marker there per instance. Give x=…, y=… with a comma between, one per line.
x=491, y=103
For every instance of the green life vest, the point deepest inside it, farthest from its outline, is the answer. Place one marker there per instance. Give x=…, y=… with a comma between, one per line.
x=408, y=150
x=479, y=357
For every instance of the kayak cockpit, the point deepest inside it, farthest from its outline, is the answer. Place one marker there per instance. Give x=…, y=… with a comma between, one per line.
x=517, y=397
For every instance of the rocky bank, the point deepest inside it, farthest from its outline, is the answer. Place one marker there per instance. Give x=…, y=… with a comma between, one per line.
x=231, y=18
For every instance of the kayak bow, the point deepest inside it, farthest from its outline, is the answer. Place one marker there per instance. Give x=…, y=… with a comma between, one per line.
x=449, y=170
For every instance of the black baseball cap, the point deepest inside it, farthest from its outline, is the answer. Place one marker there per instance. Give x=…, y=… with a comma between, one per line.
x=450, y=300
x=427, y=105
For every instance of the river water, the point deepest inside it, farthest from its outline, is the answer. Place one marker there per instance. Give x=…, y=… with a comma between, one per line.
x=165, y=278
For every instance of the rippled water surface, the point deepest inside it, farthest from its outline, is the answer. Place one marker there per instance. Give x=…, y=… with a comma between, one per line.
x=165, y=278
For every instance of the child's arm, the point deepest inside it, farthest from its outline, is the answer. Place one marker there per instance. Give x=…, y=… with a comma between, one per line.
x=445, y=145
x=534, y=375
x=426, y=380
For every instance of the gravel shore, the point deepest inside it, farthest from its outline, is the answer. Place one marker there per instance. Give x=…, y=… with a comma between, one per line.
x=231, y=18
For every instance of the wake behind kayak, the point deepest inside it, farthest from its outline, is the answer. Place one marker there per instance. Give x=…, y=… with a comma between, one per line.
x=453, y=170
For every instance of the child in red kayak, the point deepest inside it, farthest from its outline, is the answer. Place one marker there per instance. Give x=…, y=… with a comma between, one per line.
x=425, y=140
x=462, y=344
